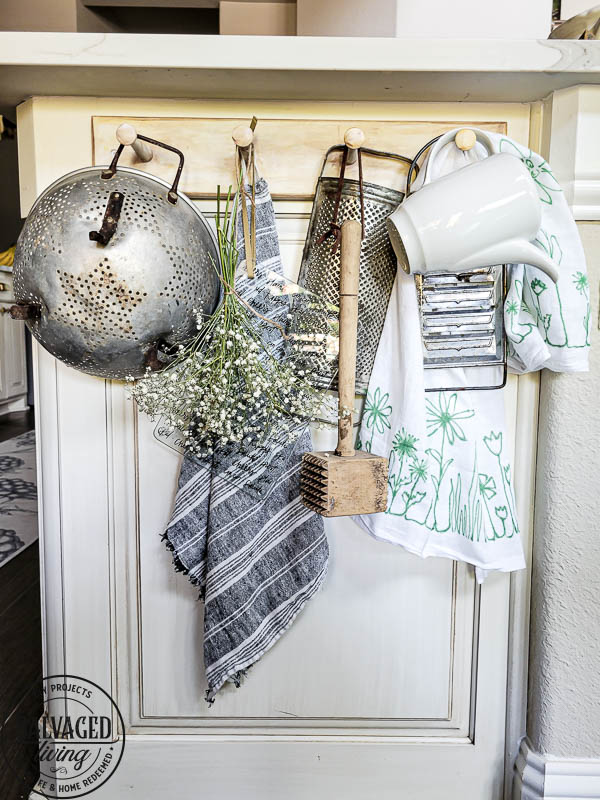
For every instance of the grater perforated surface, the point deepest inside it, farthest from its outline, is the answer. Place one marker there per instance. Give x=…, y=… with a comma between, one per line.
x=103, y=307
x=320, y=269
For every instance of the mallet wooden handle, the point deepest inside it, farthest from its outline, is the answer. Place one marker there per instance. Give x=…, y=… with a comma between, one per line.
x=349, y=273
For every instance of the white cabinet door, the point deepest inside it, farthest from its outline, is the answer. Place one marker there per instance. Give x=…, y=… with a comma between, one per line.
x=391, y=683
x=13, y=374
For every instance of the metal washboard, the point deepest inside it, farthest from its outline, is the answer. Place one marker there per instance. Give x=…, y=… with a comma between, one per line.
x=462, y=314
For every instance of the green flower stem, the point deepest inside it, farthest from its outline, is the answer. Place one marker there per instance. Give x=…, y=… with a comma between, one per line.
x=369, y=444
x=586, y=318
x=503, y=521
x=434, y=502
x=411, y=495
x=562, y=319
x=487, y=508
x=508, y=495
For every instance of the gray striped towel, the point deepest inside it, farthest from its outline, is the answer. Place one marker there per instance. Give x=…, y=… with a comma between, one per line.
x=256, y=558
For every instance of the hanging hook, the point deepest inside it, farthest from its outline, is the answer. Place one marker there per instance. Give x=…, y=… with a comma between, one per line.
x=465, y=139
x=243, y=136
x=354, y=138
x=127, y=135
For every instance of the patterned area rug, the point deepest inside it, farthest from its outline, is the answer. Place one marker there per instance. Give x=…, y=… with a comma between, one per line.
x=18, y=495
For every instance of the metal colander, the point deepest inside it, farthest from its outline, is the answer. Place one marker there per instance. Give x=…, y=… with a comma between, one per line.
x=320, y=268
x=110, y=267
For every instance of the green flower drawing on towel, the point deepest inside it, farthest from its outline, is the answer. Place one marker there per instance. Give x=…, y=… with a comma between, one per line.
x=519, y=326
x=493, y=442
x=538, y=169
x=541, y=298
x=581, y=284
x=422, y=488
x=443, y=417
x=376, y=414
x=403, y=446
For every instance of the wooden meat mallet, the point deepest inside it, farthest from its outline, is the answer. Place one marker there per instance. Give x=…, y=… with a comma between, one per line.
x=345, y=481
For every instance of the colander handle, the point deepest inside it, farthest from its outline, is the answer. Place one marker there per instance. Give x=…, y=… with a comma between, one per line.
x=172, y=193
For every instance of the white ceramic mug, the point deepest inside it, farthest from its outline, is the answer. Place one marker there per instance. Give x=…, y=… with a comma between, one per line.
x=483, y=214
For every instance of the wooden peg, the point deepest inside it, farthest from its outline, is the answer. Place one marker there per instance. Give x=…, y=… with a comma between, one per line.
x=243, y=136
x=465, y=139
x=353, y=139
x=127, y=135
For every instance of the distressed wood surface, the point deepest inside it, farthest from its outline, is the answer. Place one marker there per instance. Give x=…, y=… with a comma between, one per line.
x=289, y=151
x=386, y=679
x=349, y=270
x=340, y=486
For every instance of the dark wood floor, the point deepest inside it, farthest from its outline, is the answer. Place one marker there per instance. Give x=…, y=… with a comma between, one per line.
x=20, y=655
x=12, y=425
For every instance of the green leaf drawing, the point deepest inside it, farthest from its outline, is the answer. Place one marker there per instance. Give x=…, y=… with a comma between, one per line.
x=538, y=169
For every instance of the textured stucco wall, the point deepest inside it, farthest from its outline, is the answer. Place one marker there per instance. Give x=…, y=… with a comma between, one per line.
x=564, y=671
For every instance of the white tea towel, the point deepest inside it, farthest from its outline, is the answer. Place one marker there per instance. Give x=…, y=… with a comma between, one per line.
x=450, y=489
x=547, y=324
x=450, y=486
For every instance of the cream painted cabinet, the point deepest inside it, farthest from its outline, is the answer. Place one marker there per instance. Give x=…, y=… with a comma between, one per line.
x=391, y=683
x=13, y=371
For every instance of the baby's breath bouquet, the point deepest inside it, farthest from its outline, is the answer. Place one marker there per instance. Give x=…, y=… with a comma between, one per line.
x=232, y=388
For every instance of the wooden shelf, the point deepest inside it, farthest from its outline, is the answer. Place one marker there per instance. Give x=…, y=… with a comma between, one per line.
x=315, y=68
x=152, y=3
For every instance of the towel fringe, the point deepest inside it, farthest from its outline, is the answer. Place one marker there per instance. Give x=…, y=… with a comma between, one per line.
x=237, y=678
x=179, y=566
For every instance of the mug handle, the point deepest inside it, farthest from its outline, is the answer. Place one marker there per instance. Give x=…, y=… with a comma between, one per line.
x=445, y=138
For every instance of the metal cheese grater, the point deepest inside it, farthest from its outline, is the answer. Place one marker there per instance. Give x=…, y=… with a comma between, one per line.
x=462, y=321
x=320, y=269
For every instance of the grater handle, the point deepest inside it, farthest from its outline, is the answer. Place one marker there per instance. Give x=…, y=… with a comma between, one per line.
x=349, y=274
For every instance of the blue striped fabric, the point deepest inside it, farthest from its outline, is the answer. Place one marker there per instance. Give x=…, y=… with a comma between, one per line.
x=256, y=558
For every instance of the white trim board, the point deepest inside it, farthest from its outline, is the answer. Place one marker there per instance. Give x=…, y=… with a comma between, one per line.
x=291, y=67
x=546, y=777
x=573, y=152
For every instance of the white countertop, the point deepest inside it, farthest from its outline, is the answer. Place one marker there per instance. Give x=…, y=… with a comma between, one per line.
x=143, y=65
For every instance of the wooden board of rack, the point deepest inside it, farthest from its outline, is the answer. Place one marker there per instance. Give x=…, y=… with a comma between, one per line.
x=289, y=151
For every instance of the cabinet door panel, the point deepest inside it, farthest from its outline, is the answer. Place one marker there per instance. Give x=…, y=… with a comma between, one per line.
x=13, y=374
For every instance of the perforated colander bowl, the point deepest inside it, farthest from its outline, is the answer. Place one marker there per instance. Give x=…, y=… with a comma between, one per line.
x=109, y=309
